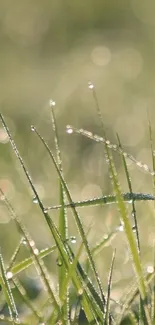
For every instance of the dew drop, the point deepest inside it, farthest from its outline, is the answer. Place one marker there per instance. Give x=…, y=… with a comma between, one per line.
x=134, y=228
x=59, y=261
x=33, y=128
x=36, y=251
x=69, y=129
x=35, y=200
x=90, y=85
x=45, y=210
x=52, y=103
x=150, y=269
x=9, y=275
x=120, y=228
x=32, y=243
x=24, y=242
x=73, y=239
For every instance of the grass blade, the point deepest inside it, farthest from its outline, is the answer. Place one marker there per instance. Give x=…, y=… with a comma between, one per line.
x=76, y=215
x=124, y=218
x=7, y=292
x=63, y=226
x=107, y=199
x=23, y=265
x=70, y=129
x=133, y=202
x=109, y=290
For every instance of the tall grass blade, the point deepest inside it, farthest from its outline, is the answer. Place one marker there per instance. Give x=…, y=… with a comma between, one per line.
x=124, y=219
x=152, y=151
x=76, y=215
x=63, y=227
x=109, y=290
x=130, y=189
x=7, y=292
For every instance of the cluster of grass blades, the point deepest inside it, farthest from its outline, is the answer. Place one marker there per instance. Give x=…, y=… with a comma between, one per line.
x=93, y=305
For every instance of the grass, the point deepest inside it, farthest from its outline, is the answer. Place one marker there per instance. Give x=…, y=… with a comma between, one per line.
x=90, y=303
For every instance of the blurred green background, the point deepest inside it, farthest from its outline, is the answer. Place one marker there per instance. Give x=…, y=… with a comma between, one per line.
x=51, y=49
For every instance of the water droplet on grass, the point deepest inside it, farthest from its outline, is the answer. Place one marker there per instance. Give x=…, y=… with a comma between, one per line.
x=33, y=128
x=69, y=129
x=35, y=200
x=59, y=261
x=150, y=269
x=9, y=275
x=52, y=103
x=134, y=228
x=73, y=239
x=24, y=242
x=120, y=227
x=90, y=85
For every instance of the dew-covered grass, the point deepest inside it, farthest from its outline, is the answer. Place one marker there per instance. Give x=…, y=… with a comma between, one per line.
x=82, y=288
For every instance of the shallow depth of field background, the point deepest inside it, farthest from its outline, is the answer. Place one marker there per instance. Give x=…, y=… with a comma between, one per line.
x=51, y=49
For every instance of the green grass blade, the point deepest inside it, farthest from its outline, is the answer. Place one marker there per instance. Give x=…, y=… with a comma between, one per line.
x=27, y=301
x=105, y=241
x=152, y=151
x=76, y=215
x=124, y=218
x=63, y=226
x=153, y=290
x=14, y=256
x=23, y=265
x=130, y=189
x=129, y=236
x=109, y=290
x=8, y=320
x=70, y=129
x=7, y=292
x=107, y=199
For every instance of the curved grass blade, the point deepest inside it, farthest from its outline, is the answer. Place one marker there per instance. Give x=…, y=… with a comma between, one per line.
x=76, y=215
x=70, y=129
x=107, y=199
x=106, y=322
x=7, y=292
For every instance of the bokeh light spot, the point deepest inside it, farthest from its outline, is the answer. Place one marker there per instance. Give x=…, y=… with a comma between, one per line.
x=101, y=55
